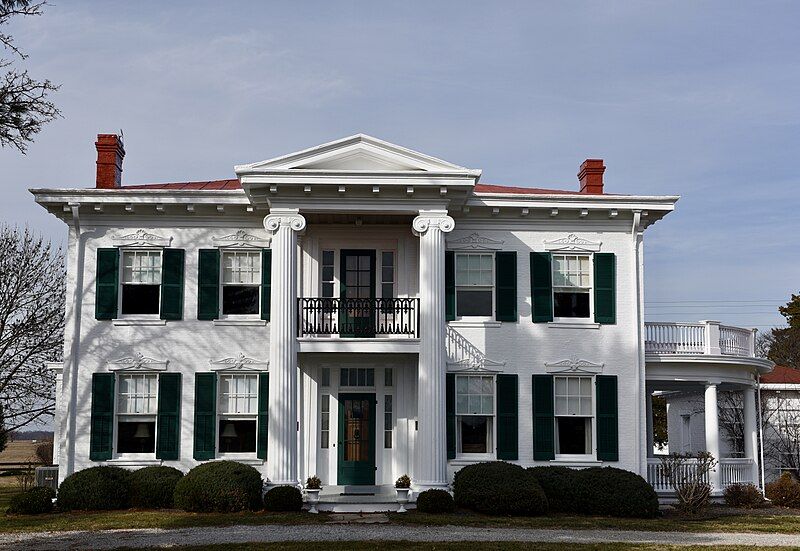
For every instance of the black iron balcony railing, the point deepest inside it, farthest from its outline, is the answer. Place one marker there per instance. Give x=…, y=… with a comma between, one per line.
x=358, y=317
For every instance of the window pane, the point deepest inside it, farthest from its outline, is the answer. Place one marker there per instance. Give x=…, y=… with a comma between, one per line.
x=136, y=437
x=140, y=299
x=573, y=435
x=561, y=386
x=561, y=405
x=240, y=299
x=326, y=376
x=388, y=376
x=387, y=258
x=237, y=436
x=327, y=273
x=462, y=404
x=586, y=386
x=488, y=405
x=327, y=259
x=571, y=305
x=474, y=434
x=474, y=303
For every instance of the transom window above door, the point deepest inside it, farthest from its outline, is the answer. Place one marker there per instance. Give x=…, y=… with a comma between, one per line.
x=474, y=284
x=241, y=282
x=141, y=282
x=572, y=286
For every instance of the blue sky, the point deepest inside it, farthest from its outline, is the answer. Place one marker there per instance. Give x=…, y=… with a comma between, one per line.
x=698, y=99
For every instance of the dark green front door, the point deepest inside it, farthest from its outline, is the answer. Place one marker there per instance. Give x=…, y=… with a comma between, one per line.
x=357, y=312
x=356, y=439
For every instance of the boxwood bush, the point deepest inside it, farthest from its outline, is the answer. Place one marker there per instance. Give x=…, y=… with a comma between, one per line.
x=435, y=501
x=784, y=492
x=219, y=486
x=499, y=488
x=558, y=484
x=96, y=488
x=283, y=498
x=743, y=495
x=33, y=501
x=153, y=487
x=614, y=492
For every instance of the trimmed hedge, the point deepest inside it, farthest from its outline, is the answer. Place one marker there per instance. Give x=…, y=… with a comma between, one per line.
x=559, y=485
x=33, y=501
x=614, y=492
x=743, y=495
x=499, y=488
x=153, y=487
x=96, y=488
x=435, y=501
x=784, y=492
x=283, y=498
x=219, y=486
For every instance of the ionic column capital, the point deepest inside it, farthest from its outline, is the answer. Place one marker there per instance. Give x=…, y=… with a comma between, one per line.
x=432, y=219
x=291, y=219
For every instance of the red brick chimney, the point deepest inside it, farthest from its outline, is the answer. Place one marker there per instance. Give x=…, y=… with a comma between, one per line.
x=110, y=153
x=591, y=176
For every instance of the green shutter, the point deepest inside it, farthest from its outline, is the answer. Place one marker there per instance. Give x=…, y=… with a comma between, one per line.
x=507, y=413
x=263, y=415
x=543, y=421
x=541, y=287
x=449, y=285
x=266, y=283
x=605, y=292
x=101, y=439
x=506, y=276
x=205, y=415
x=169, y=416
x=172, y=284
x=106, y=284
x=208, y=284
x=450, y=407
x=607, y=429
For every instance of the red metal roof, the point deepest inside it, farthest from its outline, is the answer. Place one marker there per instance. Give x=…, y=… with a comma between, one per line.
x=782, y=375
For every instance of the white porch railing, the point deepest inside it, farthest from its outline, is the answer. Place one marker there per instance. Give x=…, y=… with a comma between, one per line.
x=732, y=471
x=736, y=341
x=708, y=337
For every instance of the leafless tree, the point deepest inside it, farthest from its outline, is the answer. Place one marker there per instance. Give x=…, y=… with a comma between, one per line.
x=687, y=473
x=782, y=430
x=32, y=298
x=25, y=106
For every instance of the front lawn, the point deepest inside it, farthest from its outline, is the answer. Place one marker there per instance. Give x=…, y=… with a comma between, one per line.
x=461, y=546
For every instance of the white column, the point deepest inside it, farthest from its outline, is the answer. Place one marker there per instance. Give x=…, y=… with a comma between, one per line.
x=649, y=424
x=282, y=456
x=712, y=434
x=750, y=432
x=430, y=469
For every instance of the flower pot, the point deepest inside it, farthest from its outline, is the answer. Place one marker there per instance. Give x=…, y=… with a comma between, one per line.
x=312, y=498
x=402, y=498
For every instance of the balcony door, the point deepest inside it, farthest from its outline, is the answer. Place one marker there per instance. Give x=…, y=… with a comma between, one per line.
x=356, y=463
x=357, y=311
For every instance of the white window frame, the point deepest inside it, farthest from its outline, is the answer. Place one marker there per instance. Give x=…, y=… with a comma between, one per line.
x=335, y=280
x=388, y=428
x=151, y=417
x=251, y=416
x=379, y=273
x=590, y=317
x=121, y=281
x=593, y=420
x=356, y=388
x=222, y=284
x=491, y=254
x=322, y=412
x=492, y=426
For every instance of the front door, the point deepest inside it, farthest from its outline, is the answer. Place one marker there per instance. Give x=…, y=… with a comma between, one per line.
x=356, y=439
x=357, y=312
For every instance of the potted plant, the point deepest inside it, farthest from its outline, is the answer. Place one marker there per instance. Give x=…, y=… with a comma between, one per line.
x=313, y=486
x=403, y=487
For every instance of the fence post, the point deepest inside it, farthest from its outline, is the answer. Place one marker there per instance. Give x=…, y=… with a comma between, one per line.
x=711, y=344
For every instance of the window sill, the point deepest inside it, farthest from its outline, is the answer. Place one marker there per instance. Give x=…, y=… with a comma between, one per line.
x=589, y=462
x=475, y=323
x=241, y=322
x=139, y=321
x=123, y=461
x=247, y=460
x=469, y=459
x=573, y=324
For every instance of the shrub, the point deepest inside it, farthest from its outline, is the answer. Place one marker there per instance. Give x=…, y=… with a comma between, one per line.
x=283, y=498
x=44, y=452
x=614, y=492
x=32, y=502
x=499, y=488
x=784, y=492
x=403, y=482
x=96, y=488
x=153, y=487
x=219, y=486
x=313, y=483
x=743, y=495
x=435, y=501
x=687, y=474
x=559, y=485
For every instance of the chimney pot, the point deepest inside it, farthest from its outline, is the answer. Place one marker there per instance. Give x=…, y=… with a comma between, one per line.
x=591, y=176
x=110, y=153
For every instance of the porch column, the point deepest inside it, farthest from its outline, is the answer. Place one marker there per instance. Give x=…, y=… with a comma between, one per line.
x=430, y=469
x=282, y=457
x=712, y=434
x=750, y=432
x=649, y=424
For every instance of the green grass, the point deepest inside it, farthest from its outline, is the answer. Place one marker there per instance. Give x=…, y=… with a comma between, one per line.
x=459, y=546
x=6, y=491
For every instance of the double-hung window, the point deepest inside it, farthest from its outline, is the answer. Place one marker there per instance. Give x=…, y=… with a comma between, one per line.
x=238, y=413
x=141, y=282
x=572, y=286
x=574, y=415
x=241, y=282
x=474, y=284
x=137, y=406
x=475, y=414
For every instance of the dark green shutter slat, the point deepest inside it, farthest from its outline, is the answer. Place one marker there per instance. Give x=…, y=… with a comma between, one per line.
x=172, y=284
x=541, y=287
x=101, y=438
x=208, y=284
x=266, y=283
x=507, y=414
x=607, y=429
x=450, y=408
x=605, y=293
x=543, y=421
x=449, y=285
x=263, y=415
x=107, y=284
x=506, y=274
x=169, y=416
x=205, y=413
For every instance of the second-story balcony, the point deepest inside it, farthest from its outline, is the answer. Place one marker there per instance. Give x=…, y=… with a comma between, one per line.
x=358, y=318
x=706, y=337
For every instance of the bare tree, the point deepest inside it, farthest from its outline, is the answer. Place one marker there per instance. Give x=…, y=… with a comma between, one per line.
x=32, y=298
x=782, y=430
x=24, y=102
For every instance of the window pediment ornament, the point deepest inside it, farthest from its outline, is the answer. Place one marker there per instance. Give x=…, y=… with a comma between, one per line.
x=240, y=239
x=137, y=362
x=574, y=365
x=572, y=243
x=142, y=238
x=240, y=362
x=475, y=365
x=475, y=241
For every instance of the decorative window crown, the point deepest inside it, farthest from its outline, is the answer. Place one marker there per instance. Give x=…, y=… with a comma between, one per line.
x=137, y=362
x=240, y=362
x=474, y=241
x=240, y=239
x=572, y=243
x=574, y=365
x=141, y=238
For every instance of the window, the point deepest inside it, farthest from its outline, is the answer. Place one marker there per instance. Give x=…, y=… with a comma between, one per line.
x=573, y=415
x=241, y=282
x=731, y=424
x=387, y=274
x=474, y=284
x=238, y=410
x=388, y=376
x=141, y=282
x=325, y=377
x=475, y=413
x=137, y=405
x=572, y=284
x=686, y=433
x=327, y=274
x=387, y=421
x=325, y=421
x=356, y=376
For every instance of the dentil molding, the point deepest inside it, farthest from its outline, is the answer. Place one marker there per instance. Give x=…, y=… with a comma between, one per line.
x=240, y=362
x=294, y=221
x=574, y=365
x=240, y=239
x=141, y=238
x=424, y=222
x=475, y=241
x=137, y=362
x=572, y=243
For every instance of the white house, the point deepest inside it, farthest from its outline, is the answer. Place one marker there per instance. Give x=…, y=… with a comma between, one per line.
x=359, y=311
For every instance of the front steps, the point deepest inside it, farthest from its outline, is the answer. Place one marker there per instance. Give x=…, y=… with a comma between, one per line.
x=359, y=499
